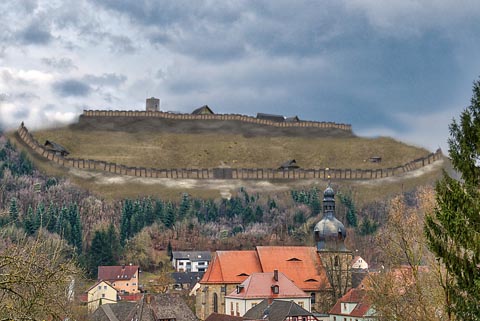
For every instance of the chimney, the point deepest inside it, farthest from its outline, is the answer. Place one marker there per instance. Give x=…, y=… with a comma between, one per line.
x=275, y=275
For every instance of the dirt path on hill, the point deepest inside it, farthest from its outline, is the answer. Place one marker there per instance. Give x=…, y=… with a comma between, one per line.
x=226, y=187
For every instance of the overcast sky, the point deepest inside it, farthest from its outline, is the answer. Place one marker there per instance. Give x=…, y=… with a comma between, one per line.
x=400, y=68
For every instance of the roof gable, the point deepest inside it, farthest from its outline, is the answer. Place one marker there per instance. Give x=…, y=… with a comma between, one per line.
x=357, y=296
x=204, y=110
x=260, y=285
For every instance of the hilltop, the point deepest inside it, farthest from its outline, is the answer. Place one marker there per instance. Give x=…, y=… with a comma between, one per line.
x=172, y=143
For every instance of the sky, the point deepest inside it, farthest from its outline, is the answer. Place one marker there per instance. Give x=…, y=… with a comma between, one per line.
x=399, y=68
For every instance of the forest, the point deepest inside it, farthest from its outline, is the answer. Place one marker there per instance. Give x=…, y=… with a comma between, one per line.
x=144, y=229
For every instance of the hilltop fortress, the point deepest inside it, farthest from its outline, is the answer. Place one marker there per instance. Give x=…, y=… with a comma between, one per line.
x=203, y=119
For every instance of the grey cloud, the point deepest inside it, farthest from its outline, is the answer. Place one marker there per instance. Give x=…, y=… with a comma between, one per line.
x=71, y=87
x=21, y=113
x=108, y=79
x=62, y=63
x=36, y=33
x=121, y=44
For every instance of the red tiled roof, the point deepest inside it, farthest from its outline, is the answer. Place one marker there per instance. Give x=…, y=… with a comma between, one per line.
x=231, y=267
x=114, y=273
x=259, y=285
x=357, y=296
x=301, y=264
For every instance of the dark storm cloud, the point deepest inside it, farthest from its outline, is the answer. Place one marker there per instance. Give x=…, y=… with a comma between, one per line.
x=71, y=87
x=108, y=79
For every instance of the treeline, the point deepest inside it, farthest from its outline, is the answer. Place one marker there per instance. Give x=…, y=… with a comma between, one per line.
x=122, y=231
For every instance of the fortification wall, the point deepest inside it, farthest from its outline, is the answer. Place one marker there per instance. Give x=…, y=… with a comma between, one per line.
x=235, y=117
x=226, y=173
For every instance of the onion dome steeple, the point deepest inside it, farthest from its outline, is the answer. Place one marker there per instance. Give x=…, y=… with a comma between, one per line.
x=330, y=233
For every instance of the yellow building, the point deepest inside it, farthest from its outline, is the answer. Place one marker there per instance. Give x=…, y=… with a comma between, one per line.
x=100, y=293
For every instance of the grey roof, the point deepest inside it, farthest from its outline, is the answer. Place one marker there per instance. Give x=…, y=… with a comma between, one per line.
x=278, y=310
x=277, y=118
x=121, y=310
x=55, y=147
x=203, y=110
x=192, y=255
x=171, y=306
x=289, y=164
x=161, y=306
x=223, y=317
x=187, y=277
x=292, y=119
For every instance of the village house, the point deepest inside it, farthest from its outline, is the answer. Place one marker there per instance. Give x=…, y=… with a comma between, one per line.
x=100, y=293
x=260, y=286
x=191, y=261
x=359, y=263
x=124, y=278
x=185, y=280
x=279, y=310
x=353, y=306
x=323, y=271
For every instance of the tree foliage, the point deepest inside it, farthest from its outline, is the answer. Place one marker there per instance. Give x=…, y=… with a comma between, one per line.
x=35, y=279
x=453, y=230
x=409, y=287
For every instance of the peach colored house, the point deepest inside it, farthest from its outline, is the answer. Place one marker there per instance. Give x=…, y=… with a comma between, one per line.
x=124, y=278
x=260, y=286
x=100, y=293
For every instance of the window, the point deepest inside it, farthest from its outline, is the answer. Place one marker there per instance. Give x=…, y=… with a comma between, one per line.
x=237, y=308
x=103, y=295
x=104, y=287
x=304, y=319
x=231, y=308
x=180, y=263
x=215, y=303
x=201, y=263
x=134, y=283
x=127, y=284
x=99, y=287
x=312, y=298
x=294, y=318
x=275, y=289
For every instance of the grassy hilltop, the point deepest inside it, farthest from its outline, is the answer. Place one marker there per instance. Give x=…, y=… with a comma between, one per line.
x=161, y=143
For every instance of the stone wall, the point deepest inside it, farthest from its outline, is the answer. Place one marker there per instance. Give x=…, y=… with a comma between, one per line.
x=225, y=173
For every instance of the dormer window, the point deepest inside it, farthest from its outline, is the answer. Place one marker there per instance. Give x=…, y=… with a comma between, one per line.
x=293, y=259
x=275, y=289
x=239, y=288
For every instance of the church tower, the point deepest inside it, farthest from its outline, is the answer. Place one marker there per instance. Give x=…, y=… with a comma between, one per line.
x=330, y=236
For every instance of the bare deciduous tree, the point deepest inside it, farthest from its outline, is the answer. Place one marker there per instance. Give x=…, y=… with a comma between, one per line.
x=36, y=278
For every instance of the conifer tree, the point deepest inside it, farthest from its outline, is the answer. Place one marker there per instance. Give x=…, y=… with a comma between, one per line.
x=184, y=206
x=13, y=212
x=28, y=222
x=127, y=212
x=453, y=230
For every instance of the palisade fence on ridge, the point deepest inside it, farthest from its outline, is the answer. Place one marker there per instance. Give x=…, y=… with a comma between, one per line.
x=225, y=173
x=242, y=118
